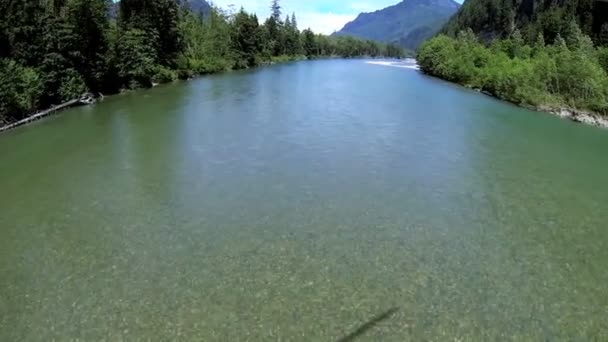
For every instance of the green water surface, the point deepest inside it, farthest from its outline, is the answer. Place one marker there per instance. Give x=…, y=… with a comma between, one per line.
x=299, y=202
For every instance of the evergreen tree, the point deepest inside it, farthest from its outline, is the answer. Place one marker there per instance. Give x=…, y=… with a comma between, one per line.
x=89, y=20
x=291, y=36
x=540, y=41
x=159, y=19
x=308, y=43
x=245, y=39
x=275, y=11
x=275, y=36
x=134, y=58
x=24, y=23
x=294, y=21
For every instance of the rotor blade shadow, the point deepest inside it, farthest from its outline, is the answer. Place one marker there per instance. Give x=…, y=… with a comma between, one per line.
x=369, y=325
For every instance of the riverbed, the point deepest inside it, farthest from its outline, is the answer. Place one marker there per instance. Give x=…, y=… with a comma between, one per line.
x=309, y=201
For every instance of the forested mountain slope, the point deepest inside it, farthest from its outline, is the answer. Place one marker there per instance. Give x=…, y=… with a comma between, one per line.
x=407, y=23
x=198, y=6
x=500, y=18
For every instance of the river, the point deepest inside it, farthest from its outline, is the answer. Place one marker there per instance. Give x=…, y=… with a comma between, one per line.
x=310, y=201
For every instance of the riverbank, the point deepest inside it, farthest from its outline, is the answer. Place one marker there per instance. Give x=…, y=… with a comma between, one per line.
x=76, y=102
x=572, y=114
x=564, y=112
x=87, y=99
x=565, y=79
x=575, y=115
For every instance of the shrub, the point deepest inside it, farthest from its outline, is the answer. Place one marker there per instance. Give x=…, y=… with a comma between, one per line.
x=163, y=75
x=20, y=90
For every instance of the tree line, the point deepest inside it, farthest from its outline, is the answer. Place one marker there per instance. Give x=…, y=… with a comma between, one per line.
x=54, y=50
x=563, y=71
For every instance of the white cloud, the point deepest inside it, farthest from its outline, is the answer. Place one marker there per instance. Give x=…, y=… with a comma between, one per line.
x=325, y=23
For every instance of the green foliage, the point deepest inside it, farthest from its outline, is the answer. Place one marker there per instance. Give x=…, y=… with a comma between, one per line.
x=159, y=19
x=602, y=56
x=275, y=10
x=71, y=85
x=309, y=45
x=293, y=42
x=569, y=74
x=161, y=74
x=134, y=58
x=20, y=88
x=246, y=40
x=88, y=21
x=207, y=43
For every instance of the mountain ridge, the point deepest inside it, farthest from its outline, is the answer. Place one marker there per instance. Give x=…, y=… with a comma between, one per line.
x=198, y=6
x=407, y=23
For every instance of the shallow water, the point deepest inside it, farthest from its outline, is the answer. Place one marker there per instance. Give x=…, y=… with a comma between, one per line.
x=298, y=203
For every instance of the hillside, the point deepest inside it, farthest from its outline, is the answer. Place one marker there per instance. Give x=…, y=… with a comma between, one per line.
x=407, y=23
x=499, y=18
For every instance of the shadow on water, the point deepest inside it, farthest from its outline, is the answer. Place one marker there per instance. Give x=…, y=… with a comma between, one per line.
x=369, y=325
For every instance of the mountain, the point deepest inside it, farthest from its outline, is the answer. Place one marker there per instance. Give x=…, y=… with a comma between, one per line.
x=407, y=23
x=198, y=6
x=499, y=18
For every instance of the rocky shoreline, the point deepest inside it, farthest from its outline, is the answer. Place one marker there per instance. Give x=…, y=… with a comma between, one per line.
x=579, y=116
x=575, y=115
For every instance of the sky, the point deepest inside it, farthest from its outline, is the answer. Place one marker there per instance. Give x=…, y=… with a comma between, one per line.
x=322, y=16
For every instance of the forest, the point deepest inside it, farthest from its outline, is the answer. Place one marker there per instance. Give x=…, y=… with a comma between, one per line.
x=548, y=55
x=52, y=51
x=491, y=19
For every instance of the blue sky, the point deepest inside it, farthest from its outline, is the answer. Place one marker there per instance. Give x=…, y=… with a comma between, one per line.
x=321, y=16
